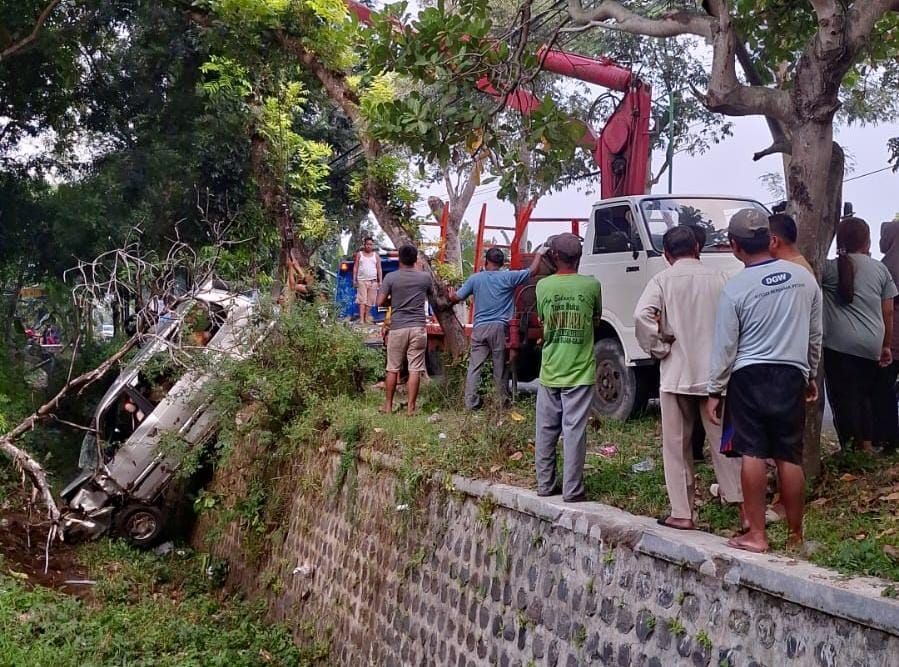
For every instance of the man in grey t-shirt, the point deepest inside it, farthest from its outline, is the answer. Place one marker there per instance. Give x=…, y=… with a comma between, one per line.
x=766, y=352
x=407, y=289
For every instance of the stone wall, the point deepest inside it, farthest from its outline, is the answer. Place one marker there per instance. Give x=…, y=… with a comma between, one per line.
x=469, y=574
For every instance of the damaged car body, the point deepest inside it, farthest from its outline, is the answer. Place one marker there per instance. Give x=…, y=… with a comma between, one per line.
x=128, y=482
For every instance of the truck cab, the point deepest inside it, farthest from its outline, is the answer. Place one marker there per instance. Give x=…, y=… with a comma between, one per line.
x=623, y=250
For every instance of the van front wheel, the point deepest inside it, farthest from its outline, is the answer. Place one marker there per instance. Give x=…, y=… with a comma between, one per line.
x=141, y=525
x=622, y=391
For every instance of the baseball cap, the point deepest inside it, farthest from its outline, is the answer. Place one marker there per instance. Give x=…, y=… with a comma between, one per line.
x=747, y=223
x=566, y=244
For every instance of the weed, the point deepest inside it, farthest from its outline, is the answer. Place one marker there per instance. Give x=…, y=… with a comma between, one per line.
x=608, y=558
x=676, y=627
x=537, y=541
x=486, y=506
x=680, y=597
x=580, y=637
x=590, y=586
x=890, y=591
x=703, y=639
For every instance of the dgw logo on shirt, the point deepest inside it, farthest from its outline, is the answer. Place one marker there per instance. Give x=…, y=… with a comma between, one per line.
x=776, y=278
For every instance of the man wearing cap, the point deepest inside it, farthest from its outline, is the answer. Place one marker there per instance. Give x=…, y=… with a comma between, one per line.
x=675, y=321
x=493, y=292
x=569, y=305
x=765, y=354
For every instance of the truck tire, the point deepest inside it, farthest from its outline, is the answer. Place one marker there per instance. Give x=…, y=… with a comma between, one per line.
x=142, y=525
x=622, y=391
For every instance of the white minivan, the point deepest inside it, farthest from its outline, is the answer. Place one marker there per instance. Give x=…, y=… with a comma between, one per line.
x=127, y=469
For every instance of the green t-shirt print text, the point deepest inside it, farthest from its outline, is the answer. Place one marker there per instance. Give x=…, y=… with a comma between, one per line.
x=567, y=305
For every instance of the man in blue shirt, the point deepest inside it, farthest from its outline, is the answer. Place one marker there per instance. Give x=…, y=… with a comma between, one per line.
x=493, y=292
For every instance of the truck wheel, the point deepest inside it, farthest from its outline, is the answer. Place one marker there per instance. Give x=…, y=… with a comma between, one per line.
x=622, y=391
x=141, y=525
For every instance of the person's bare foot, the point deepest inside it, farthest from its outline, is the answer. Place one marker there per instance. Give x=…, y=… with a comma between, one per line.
x=796, y=543
x=749, y=542
x=386, y=409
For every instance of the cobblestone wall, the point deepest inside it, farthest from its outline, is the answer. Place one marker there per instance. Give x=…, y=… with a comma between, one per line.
x=475, y=574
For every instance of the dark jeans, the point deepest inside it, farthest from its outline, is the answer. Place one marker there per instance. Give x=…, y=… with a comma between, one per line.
x=886, y=411
x=851, y=390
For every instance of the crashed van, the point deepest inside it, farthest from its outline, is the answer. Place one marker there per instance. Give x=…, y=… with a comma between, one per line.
x=128, y=484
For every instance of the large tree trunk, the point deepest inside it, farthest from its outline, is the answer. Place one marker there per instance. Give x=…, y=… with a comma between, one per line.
x=816, y=204
x=275, y=202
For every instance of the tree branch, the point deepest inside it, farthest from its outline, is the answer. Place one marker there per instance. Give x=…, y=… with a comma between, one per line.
x=862, y=18
x=726, y=94
x=612, y=14
x=21, y=44
x=776, y=147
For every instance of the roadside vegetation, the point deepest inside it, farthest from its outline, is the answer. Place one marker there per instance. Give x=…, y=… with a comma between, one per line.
x=142, y=609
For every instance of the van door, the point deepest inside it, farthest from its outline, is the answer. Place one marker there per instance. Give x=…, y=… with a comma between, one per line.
x=615, y=256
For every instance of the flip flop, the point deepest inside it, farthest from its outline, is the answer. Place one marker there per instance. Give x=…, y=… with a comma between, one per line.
x=663, y=521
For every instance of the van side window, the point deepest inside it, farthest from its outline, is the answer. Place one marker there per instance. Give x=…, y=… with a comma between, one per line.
x=614, y=231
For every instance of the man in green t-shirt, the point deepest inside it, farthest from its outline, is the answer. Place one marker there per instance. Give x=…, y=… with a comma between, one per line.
x=568, y=304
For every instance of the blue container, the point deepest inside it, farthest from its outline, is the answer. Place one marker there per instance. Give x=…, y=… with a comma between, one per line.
x=345, y=293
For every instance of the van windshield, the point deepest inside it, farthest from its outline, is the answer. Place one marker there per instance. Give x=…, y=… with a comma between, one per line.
x=709, y=214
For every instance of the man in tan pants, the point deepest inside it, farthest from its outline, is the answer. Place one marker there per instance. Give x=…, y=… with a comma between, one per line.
x=675, y=323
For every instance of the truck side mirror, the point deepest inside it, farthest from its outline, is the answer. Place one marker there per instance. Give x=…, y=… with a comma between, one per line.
x=847, y=209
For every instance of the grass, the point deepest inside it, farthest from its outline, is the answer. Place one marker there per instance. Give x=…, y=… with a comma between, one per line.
x=854, y=530
x=144, y=610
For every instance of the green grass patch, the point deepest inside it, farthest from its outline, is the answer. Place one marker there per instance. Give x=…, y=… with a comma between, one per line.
x=145, y=610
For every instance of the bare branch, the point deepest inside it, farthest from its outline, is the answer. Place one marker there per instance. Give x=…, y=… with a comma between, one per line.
x=21, y=44
x=776, y=147
x=612, y=14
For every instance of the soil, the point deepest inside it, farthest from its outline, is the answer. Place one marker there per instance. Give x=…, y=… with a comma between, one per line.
x=22, y=545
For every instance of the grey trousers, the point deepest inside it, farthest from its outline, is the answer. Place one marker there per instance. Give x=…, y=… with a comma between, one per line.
x=562, y=411
x=488, y=341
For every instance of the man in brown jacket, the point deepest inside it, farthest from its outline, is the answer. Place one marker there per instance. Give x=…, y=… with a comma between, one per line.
x=675, y=323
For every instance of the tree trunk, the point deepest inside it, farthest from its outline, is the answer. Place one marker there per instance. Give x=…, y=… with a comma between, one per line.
x=452, y=253
x=815, y=202
x=275, y=202
x=12, y=306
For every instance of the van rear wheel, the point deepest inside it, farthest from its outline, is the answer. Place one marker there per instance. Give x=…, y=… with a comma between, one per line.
x=622, y=391
x=142, y=525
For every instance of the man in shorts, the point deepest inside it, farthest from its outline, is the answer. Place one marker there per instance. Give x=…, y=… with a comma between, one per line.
x=765, y=354
x=366, y=278
x=408, y=289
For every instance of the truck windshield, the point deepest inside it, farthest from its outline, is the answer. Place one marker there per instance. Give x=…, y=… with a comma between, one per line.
x=708, y=213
